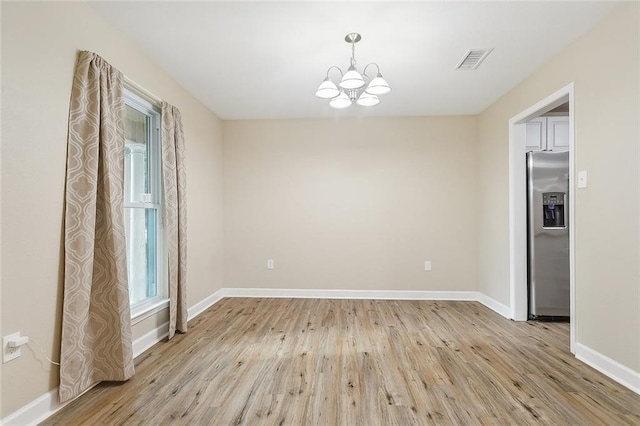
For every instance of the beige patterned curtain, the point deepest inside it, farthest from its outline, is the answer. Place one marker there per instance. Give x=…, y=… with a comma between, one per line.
x=96, y=318
x=174, y=183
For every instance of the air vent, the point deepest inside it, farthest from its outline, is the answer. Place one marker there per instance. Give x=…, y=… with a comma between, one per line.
x=472, y=59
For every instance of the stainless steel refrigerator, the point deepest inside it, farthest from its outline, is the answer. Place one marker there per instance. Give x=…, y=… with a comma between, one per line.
x=548, y=235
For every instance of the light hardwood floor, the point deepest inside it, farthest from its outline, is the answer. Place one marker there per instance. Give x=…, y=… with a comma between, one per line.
x=358, y=362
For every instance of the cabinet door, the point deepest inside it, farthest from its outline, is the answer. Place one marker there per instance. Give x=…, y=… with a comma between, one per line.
x=558, y=133
x=536, y=134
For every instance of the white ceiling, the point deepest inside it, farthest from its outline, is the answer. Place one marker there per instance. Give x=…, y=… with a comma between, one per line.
x=265, y=59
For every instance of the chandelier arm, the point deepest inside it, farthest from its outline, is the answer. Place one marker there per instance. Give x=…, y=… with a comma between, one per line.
x=336, y=67
x=364, y=72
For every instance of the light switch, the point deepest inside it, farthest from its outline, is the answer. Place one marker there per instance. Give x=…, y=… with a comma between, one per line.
x=269, y=263
x=582, y=179
x=427, y=265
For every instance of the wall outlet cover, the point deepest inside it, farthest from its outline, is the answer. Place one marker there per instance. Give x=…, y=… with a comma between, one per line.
x=582, y=179
x=10, y=353
x=427, y=265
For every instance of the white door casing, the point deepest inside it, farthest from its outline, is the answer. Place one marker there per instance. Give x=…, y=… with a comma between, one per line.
x=518, y=206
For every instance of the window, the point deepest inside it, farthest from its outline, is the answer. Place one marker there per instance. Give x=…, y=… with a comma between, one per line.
x=143, y=207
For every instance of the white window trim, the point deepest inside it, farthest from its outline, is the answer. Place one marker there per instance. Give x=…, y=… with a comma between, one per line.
x=146, y=308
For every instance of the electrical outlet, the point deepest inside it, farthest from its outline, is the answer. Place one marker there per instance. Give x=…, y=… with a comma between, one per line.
x=427, y=265
x=10, y=353
x=270, y=264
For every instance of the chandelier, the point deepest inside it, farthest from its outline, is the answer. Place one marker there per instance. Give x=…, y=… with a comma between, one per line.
x=353, y=86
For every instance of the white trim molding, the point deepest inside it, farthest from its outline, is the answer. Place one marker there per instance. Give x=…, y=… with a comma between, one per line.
x=468, y=296
x=494, y=305
x=609, y=367
x=206, y=303
x=350, y=294
x=144, y=342
x=35, y=411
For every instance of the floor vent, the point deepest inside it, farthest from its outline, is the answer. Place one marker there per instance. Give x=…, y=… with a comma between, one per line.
x=472, y=59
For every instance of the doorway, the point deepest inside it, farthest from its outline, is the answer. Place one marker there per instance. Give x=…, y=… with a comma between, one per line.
x=518, y=206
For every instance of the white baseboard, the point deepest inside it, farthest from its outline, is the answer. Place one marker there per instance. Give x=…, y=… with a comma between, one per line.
x=143, y=343
x=35, y=411
x=494, y=305
x=39, y=409
x=205, y=303
x=613, y=369
x=350, y=294
x=46, y=405
x=473, y=296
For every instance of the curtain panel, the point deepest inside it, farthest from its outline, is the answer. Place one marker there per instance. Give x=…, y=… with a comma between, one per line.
x=96, y=319
x=174, y=183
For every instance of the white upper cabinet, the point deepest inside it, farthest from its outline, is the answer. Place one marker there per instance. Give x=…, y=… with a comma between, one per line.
x=537, y=134
x=558, y=133
x=548, y=134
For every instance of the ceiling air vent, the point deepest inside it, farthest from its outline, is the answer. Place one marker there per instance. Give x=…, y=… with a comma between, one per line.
x=472, y=59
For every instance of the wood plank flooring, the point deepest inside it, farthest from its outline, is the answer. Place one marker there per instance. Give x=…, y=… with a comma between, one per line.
x=358, y=362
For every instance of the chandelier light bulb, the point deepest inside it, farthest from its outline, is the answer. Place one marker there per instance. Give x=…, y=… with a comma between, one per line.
x=341, y=101
x=327, y=89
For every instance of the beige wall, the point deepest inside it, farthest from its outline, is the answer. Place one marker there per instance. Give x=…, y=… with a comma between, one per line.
x=355, y=204
x=604, y=65
x=39, y=47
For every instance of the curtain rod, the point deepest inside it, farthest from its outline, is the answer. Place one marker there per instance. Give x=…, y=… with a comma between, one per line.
x=142, y=90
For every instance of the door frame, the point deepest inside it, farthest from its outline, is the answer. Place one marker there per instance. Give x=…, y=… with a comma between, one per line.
x=518, y=207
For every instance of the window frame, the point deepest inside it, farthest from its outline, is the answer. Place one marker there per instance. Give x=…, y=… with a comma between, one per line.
x=149, y=306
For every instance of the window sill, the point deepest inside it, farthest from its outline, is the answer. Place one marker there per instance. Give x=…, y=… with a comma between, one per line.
x=144, y=310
